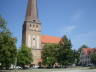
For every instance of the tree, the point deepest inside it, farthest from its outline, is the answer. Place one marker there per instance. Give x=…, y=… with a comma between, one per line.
x=93, y=58
x=77, y=57
x=3, y=27
x=7, y=45
x=24, y=56
x=65, y=54
x=49, y=54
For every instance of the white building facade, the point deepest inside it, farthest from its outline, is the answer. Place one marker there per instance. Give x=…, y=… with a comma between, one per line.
x=85, y=59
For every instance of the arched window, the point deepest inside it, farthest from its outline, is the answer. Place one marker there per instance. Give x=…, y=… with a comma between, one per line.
x=33, y=26
x=30, y=25
x=33, y=38
x=36, y=26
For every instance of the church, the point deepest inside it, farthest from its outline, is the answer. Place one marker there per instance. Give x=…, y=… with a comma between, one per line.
x=31, y=32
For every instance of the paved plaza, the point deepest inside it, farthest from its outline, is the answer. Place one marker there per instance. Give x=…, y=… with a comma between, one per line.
x=57, y=70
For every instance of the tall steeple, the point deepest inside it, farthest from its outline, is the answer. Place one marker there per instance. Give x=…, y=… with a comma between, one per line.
x=31, y=33
x=32, y=13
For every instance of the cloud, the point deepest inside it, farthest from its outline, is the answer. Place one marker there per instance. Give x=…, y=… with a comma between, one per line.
x=75, y=19
x=69, y=29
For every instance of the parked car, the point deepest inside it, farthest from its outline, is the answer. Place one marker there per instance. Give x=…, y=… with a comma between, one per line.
x=35, y=67
x=18, y=67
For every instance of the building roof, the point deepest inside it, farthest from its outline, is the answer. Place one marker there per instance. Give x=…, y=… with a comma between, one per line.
x=87, y=51
x=49, y=39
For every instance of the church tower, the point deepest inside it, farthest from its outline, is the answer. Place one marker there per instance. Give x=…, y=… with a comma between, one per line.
x=31, y=33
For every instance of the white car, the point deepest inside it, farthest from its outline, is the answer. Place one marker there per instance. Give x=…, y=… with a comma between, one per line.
x=18, y=67
x=36, y=67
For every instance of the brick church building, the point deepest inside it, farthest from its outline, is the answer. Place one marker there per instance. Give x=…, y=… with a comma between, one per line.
x=31, y=33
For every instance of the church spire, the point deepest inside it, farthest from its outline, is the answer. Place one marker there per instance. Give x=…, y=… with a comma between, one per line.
x=32, y=31
x=32, y=13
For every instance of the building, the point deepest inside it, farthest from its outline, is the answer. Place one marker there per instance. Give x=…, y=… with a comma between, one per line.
x=85, y=56
x=31, y=33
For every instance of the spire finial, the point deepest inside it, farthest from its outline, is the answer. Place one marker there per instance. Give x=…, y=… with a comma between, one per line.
x=32, y=13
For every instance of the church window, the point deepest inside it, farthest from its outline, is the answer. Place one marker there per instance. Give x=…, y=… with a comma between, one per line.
x=33, y=26
x=33, y=38
x=30, y=25
x=36, y=26
x=34, y=20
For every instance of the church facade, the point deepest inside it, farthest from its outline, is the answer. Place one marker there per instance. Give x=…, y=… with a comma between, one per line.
x=31, y=32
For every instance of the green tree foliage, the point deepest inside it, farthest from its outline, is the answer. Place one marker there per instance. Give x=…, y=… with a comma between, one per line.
x=93, y=58
x=77, y=57
x=7, y=46
x=65, y=54
x=24, y=56
x=49, y=54
x=3, y=24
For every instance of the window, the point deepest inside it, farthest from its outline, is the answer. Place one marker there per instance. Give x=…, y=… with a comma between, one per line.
x=36, y=26
x=33, y=26
x=30, y=25
x=34, y=20
x=33, y=38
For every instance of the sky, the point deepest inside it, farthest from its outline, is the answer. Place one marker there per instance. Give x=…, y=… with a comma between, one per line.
x=74, y=18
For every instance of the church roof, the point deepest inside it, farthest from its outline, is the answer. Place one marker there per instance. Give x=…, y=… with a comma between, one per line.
x=49, y=39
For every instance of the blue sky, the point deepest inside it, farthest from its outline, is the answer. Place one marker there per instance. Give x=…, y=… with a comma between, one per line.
x=75, y=18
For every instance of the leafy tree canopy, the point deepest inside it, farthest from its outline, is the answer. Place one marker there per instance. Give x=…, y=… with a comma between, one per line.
x=24, y=56
x=49, y=54
x=93, y=58
x=65, y=52
x=7, y=45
